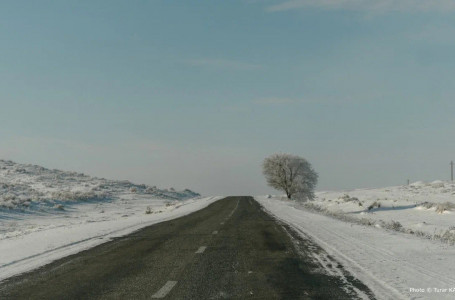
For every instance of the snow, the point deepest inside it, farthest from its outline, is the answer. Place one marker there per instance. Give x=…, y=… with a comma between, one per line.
x=426, y=209
x=393, y=264
x=48, y=214
x=31, y=188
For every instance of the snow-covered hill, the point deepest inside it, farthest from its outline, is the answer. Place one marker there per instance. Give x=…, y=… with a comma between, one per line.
x=30, y=187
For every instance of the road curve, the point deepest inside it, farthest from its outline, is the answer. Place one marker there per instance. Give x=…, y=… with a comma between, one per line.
x=230, y=250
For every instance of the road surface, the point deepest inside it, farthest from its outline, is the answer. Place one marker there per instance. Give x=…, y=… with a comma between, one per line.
x=230, y=250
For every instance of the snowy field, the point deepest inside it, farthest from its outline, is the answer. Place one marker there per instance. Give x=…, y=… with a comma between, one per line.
x=48, y=214
x=424, y=209
x=395, y=261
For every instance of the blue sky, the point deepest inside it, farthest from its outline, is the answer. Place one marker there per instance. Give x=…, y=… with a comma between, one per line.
x=196, y=93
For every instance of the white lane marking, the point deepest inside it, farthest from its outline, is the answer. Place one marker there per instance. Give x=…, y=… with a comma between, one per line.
x=165, y=289
x=232, y=212
x=201, y=249
x=215, y=232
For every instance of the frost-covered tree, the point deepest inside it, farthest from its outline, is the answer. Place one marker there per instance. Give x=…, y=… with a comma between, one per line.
x=291, y=174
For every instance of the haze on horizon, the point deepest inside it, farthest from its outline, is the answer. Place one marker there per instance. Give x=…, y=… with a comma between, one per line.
x=196, y=95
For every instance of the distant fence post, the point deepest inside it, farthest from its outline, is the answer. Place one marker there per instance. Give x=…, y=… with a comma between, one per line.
x=451, y=170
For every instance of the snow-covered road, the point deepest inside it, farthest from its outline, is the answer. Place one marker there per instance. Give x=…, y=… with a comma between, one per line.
x=394, y=265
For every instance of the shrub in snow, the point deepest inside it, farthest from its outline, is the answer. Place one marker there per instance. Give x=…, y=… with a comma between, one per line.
x=148, y=210
x=77, y=195
x=394, y=225
x=420, y=233
x=442, y=207
x=427, y=205
x=133, y=190
x=439, y=207
x=375, y=204
x=447, y=236
x=347, y=198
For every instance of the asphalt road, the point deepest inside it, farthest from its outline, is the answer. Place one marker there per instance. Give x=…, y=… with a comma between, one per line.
x=230, y=250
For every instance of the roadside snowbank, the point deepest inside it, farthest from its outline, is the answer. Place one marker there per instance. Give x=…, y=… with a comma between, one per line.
x=30, y=240
x=394, y=265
